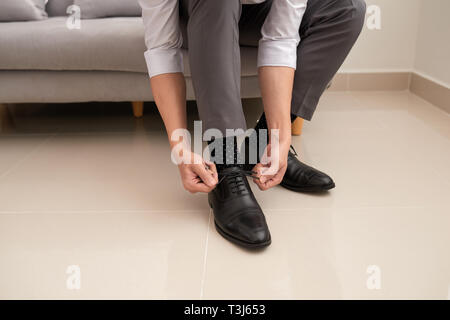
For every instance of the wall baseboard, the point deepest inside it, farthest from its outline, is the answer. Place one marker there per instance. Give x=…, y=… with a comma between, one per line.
x=426, y=88
x=431, y=91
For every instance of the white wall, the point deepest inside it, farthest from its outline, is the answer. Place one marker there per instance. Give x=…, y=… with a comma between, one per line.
x=414, y=36
x=433, y=41
x=392, y=48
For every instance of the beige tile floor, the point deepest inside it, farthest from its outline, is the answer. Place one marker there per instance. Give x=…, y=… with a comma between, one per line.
x=88, y=185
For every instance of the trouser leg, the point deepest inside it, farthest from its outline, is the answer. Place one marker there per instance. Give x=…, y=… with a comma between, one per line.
x=214, y=58
x=328, y=31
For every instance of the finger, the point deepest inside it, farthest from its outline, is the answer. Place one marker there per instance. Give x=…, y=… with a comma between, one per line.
x=199, y=187
x=186, y=187
x=205, y=175
x=269, y=171
x=261, y=179
x=261, y=183
x=189, y=187
x=264, y=169
x=213, y=169
x=271, y=183
x=268, y=181
x=258, y=169
x=257, y=182
x=192, y=183
x=276, y=179
x=210, y=164
x=263, y=186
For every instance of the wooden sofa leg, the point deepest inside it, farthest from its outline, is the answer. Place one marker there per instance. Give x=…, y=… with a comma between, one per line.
x=5, y=117
x=297, y=126
x=2, y=116
x=138, y=108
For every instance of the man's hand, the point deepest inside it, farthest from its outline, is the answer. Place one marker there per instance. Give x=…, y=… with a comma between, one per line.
x=276, y=88
x=272, y=173
x=199, y=175
x=169, y=91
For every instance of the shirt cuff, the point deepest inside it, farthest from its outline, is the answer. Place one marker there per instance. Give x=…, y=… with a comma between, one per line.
x=280, y=53
x=161, y=61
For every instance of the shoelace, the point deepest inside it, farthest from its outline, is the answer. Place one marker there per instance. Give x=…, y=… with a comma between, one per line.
x=232, y=177
x=294, y=151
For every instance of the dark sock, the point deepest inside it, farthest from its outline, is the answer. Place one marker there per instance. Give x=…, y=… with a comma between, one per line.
x=227, y=158
x=262, y=122
x=262, y=125
x=293, y=117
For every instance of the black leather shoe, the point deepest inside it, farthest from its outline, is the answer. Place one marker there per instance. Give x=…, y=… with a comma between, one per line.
x=303, y=178
x=237, y=215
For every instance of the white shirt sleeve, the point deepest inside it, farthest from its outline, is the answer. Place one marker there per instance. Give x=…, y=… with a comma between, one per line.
x=280, y=34
x=162, y=36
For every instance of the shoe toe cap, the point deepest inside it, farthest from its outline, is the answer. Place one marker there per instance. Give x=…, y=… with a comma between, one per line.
x=251, y=228
x=259, y=236
x=321, y=180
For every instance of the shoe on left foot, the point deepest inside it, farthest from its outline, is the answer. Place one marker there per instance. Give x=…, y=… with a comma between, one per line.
x=300, y=177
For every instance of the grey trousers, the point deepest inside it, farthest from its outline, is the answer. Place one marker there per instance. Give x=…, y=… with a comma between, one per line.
x=214, y=30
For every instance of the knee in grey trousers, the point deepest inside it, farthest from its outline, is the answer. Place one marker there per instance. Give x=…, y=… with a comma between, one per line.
x=216, y=28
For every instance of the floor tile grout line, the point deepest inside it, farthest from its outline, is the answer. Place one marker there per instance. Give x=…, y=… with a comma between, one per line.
x=98, y=211
x=290, y=211
x=29, y=155
x=205, y=257
x=83, y=133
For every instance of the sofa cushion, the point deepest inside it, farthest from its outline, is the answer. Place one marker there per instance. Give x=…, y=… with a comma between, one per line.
x=22, y=10
x=110, y=44
x=91, y=9
x=115, y=44
x=58, y=7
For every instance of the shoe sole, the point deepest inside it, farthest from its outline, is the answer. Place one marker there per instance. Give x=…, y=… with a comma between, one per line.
x=309, y=189
x=238, y=241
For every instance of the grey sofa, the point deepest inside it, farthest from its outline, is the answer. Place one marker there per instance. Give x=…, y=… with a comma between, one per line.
x=44, y=61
